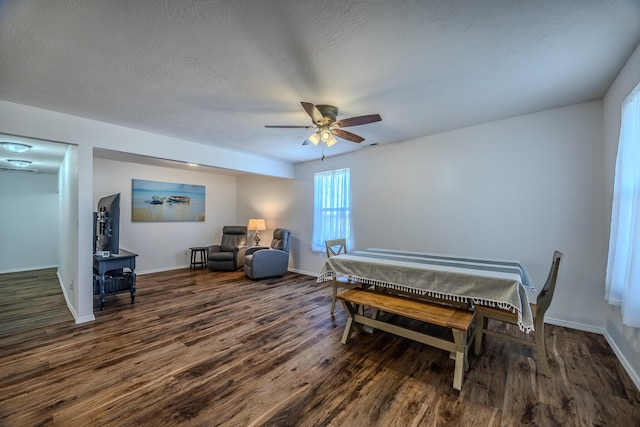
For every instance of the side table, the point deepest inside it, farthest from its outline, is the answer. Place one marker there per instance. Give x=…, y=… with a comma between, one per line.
x=198, y=257
x=115, y=263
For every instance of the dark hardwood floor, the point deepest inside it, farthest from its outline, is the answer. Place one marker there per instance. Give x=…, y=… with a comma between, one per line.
x=206, y=349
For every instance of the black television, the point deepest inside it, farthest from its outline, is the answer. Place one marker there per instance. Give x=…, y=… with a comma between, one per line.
x=107, y=225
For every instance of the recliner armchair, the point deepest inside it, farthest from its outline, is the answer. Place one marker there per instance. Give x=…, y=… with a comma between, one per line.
x=229, y=254
x=261, y=261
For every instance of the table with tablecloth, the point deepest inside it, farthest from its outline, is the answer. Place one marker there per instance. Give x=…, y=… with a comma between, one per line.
x=477, y=281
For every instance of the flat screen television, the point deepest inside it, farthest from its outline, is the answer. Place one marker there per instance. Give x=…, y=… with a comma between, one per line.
x=107, y=225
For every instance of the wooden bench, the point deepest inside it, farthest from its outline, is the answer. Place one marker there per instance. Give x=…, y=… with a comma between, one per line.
x=457, y=319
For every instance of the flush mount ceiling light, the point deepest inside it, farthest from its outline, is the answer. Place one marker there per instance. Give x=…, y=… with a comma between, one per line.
x=15, y=147
x=19, y=163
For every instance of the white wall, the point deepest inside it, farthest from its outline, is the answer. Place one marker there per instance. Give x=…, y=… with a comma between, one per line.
x=165, y=245
x=68, y=226
x=517, y=188
x=624, y=340
x=271, y=199
x=28, y=221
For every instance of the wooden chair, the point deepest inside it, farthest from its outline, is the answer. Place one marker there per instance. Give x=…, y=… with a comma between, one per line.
x=539, y=309
x=337, y=247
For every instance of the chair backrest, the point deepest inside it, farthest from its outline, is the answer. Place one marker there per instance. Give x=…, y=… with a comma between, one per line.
x=546, y=293
x=281, y=238
x=233, y=237
x=336, y=247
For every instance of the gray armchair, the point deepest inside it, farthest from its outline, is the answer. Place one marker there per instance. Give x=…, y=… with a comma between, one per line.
x=229, y=254
x=261, y=261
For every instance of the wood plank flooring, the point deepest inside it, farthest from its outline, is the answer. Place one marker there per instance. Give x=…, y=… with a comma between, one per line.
x=216, y=349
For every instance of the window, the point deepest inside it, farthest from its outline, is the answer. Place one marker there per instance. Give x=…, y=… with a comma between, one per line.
x=623, y=266
x=331, y=207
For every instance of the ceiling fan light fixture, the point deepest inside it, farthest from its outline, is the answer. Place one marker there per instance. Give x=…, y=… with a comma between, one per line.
x=315, y=138
x=325, y=135
x=19, y=163
x=324, y=119
x=15, y=147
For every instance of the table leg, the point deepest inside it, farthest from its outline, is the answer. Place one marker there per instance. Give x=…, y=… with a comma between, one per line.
x=102, y=296
x=133, y=286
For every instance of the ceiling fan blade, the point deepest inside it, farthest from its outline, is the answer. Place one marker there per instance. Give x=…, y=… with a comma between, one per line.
x=313, y=112
x=289, y=127
x=357, y=121
x=347, y=135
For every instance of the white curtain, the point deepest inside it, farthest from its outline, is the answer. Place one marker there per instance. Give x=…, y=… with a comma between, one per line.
x=331, y=208
x=623, y=266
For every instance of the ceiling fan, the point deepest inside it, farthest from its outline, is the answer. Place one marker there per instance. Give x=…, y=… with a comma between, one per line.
x=324, y=119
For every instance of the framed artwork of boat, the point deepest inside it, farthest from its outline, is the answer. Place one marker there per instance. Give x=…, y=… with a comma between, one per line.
x=155, y=201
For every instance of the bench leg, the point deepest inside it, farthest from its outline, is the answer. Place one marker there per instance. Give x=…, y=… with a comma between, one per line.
x=347, y=331
x=351, y=310
x=459, y=371
x=462, y=363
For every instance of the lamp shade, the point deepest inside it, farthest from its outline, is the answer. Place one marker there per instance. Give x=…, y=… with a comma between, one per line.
x=314, y=139
x=257, y=224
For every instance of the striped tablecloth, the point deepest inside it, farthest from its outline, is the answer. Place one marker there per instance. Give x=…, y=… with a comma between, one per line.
x=490, y=282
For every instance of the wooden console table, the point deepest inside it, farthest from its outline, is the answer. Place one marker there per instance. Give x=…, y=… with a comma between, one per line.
x=113, y=266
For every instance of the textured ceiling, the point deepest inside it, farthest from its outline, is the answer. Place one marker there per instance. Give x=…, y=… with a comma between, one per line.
x=215, y=72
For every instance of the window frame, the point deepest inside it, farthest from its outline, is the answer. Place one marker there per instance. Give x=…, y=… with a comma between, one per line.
x=622, y=287
x=331, y=207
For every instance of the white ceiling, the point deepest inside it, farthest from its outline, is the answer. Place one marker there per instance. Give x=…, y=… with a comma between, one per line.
x=215, y=72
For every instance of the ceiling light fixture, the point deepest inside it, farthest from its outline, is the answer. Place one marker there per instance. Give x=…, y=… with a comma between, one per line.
x=324, y=134
x=19, y=163
x=315, y=138
x=15, y=147
x=327, y=137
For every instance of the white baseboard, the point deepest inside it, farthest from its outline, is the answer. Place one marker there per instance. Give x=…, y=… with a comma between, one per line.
x=161, y=270
x=574, y=325
x=20, y=270
x=85, y=319
x=306, y=273
x=77, y=319
x=635, y=377
x=177, y=267
x=625, y=363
